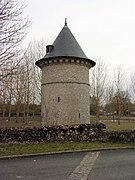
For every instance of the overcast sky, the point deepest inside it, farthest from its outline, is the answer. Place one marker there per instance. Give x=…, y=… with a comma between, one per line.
x=103, y=28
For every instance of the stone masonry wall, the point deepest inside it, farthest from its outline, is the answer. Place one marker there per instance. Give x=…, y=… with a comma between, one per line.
x=76, y=133
x=65, y=94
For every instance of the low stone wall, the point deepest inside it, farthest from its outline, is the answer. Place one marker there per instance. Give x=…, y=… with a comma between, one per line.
x=120, y=136
x=83, y=132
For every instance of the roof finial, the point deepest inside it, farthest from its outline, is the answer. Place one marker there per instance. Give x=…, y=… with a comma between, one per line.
x=65, y=21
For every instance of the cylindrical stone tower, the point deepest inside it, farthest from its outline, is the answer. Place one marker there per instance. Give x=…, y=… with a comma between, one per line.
x=65, y=82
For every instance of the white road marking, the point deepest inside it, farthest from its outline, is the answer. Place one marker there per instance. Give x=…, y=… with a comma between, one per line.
x=82, y=171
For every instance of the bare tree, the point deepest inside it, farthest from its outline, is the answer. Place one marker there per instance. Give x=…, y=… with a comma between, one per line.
x=133, y=86
x=109, y=104
x=21, y=88
x=119, y=83
x=19, y=85
x=9, y=91
x=35, y=51
x=3, y=98
x=12, y=32
x=97, y=85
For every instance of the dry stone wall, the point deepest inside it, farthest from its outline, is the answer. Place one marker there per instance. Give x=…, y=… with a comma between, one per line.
x=77, y=133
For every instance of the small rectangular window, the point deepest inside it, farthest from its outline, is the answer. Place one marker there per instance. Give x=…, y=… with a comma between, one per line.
x=79, y=115
x=58, y=99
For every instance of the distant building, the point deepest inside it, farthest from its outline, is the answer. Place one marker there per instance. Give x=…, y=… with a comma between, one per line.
x=65, y=82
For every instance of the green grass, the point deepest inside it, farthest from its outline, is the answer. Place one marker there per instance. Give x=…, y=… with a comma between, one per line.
x=124, y=125
x=19, y=124
x=33, y=148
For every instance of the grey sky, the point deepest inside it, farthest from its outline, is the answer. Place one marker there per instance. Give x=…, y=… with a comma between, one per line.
x=103, y=28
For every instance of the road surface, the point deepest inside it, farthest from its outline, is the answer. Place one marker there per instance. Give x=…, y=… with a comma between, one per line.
x=104, y=165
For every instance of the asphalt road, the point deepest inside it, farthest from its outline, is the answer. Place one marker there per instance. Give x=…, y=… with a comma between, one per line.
x=104, y=165
x=114, y=165
x=50, y=167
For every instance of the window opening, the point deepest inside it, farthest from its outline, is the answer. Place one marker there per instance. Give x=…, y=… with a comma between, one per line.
x=79, y=115
x=58, y=99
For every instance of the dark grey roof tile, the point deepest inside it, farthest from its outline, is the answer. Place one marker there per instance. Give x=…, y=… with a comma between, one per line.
x=66, y=45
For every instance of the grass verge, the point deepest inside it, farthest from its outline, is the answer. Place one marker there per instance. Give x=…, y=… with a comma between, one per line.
x=44, y=147
x=124, y=125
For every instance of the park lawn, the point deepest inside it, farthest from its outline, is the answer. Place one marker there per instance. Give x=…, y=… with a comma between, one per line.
x=44, y=147
x=124, y=125
x=19, y=124
x=110, y=126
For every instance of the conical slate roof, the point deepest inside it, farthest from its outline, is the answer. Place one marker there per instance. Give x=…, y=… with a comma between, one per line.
x=65, y=45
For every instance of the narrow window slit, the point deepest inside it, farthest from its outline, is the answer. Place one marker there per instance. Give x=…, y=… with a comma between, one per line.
x=58, y=99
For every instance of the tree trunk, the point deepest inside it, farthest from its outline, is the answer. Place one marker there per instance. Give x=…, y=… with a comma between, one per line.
x=97, y=110
x=9, y=113
x=17, y=114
